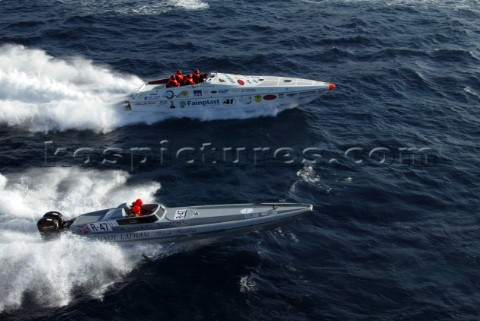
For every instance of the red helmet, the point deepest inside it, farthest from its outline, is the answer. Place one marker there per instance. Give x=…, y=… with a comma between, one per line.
x=179, y=71
x=138, y=202
x=136, y=209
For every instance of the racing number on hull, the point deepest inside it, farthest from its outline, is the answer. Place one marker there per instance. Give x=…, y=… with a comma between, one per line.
x=229, y=101
x=100, y=227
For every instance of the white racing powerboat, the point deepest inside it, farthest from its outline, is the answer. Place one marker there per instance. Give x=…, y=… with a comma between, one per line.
x=226, y=93
x=160, y=224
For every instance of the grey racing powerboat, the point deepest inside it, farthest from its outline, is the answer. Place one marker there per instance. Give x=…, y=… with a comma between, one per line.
x=160, y=224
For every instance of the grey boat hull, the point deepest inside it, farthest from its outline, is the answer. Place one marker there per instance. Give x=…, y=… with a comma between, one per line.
x=167, y=225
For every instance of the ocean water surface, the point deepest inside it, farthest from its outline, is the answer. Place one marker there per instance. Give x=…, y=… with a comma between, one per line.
x=389, y=159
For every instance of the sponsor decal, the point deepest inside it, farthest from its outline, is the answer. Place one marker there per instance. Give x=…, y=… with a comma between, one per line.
x=223, y=91
x=112, y=237
x=169, y=94
x=84, y=229
x=184, y=93
x=135, y=236
x=258, y=98
x=269, y=97
x=151, y=97
x=240, y=82
x=197, y=93
x=213, y=91
x=246, y=99
x=251, y=215
x=182, y=104
x=230, y=79
x=248, y=90
x=143, y=103
x=203, y=102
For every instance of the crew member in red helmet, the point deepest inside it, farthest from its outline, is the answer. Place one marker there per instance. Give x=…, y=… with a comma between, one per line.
x=138, y=202
x=137, y=207
x=197, y=78
x=173, y=82
x=136, y=210
x=188, y=80
x=179, y=76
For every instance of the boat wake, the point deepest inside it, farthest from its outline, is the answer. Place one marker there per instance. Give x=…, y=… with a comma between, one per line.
x=41, y=93
x=123, y=7
x=51, y=273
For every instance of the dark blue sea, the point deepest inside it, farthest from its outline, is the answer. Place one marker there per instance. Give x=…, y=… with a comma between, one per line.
x=389, y=159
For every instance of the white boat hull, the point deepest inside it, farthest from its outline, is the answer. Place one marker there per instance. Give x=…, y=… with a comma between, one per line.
x=227, y=94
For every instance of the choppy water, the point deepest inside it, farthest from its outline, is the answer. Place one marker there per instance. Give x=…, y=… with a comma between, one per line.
x=395, y=230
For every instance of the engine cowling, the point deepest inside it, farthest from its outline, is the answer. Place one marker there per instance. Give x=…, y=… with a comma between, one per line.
x=50, y=225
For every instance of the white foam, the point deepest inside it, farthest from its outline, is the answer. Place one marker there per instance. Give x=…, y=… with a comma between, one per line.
x=472, y=92
x=189, y=4
x=248, y=284
x=49, y=272
x=42, y=93
x=124, y=7
x=309, y=175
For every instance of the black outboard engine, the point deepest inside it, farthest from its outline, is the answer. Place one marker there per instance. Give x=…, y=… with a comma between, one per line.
x=50, y=225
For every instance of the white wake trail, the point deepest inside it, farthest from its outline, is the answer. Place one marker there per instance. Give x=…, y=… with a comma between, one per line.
x=42, y=93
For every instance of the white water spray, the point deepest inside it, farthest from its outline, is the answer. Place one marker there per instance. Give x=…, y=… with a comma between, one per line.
x=42, y=93
x=50, y=272
x=126, y=7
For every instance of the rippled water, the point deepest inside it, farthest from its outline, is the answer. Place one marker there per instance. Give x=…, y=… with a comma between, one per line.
x=388, y=159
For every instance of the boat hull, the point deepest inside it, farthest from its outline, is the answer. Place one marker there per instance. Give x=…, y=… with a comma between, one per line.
x=244, y=94
x=167, y=225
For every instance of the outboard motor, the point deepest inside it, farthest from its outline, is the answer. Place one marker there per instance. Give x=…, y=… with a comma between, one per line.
x=50, y=225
